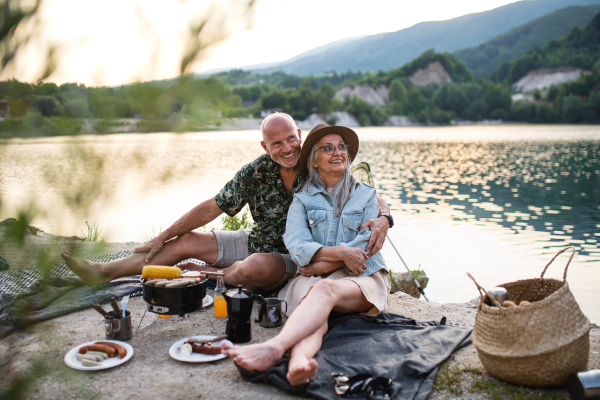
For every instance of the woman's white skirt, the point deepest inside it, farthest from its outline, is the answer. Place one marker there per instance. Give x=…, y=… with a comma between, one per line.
x=375, y=288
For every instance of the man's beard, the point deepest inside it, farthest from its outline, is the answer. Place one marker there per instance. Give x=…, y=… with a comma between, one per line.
x=281, y=164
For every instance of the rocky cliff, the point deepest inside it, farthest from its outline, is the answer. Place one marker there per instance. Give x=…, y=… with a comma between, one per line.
x=545, y=77
x=434, y=73
x=377, y=96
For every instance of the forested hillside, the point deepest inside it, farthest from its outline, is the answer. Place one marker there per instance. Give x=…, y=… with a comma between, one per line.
x=579, y=48
x=482, y=60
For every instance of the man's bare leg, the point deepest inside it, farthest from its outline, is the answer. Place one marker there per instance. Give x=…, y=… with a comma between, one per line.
x=302, y=365
x=259, y=270
x=341, y=295
x=200, y=245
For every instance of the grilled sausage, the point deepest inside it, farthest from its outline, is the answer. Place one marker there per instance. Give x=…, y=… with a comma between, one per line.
x=120, y=349
x=90, y=363
x=198, y=348
x=97, y=353
x=89, y=357
x=177, y=284
x=98, y=347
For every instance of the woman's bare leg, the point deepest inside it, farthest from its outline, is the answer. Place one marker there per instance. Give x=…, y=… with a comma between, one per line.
x=311, y=314
x=200, y=245
x=302, y=365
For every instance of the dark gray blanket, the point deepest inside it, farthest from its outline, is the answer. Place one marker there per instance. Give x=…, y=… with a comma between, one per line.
x=30, y=296
x=59, y=296
x=407, y=351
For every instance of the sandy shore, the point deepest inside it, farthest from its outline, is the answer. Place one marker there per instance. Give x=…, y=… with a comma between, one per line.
x=151, y=373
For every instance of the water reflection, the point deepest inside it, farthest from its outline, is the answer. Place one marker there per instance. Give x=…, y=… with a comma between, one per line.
x=550, y=187
x=495, y=201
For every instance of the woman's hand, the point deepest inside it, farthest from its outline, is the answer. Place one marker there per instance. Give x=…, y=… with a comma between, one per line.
x=152, y=246
x=354, y=258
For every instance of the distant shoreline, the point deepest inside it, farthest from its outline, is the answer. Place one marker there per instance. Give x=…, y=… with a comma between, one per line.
x=131, y=125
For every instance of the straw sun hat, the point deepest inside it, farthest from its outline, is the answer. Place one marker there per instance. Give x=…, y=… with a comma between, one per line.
x=317, y=133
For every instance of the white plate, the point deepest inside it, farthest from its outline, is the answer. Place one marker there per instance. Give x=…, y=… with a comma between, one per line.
x=110, y=362
x=207, y=301
x=196, y=357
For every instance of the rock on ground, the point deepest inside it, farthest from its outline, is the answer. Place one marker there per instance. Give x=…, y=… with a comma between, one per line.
x=403, y=282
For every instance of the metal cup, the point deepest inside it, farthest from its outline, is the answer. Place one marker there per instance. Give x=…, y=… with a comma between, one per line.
x=500, y=294
x=269, y=314
x=118, y=328
x=585, y=385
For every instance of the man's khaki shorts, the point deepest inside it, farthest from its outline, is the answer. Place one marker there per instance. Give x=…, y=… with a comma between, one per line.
x=233, y=247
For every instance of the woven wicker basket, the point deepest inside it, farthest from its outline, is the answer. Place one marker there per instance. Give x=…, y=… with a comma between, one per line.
x=535, y=345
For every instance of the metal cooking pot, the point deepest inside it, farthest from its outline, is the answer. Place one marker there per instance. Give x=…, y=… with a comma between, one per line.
x=174, y=301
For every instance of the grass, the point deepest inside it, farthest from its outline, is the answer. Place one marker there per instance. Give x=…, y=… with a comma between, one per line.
x=152, y=234
x=456, y=381
x=241, y=221
x=449, y=378
x=416, y=273
x=93, y=233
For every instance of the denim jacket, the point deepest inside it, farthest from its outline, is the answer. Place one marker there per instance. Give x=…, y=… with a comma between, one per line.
x=312, y=224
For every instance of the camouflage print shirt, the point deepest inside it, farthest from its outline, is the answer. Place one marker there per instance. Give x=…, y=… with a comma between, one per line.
x=259, y=184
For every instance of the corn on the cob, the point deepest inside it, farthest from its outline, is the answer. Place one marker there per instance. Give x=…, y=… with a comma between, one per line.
x=159, y=271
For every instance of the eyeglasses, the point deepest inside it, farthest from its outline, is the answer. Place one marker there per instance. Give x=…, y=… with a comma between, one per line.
x=374, y=387
x=330, y=149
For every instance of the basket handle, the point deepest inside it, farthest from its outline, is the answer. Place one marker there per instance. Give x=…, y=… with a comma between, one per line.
x=492, y=298
x=553, y=258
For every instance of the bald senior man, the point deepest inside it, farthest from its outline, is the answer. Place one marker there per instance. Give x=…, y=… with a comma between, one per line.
x=255, y=259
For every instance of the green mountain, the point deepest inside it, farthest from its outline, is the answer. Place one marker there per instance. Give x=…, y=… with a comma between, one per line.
x=390, y=50
x=579, y=48
x=482, y=60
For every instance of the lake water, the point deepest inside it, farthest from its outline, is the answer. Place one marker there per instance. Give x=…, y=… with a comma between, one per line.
x=497, y=201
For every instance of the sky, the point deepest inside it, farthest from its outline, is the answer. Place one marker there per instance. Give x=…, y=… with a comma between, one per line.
x=108, y=43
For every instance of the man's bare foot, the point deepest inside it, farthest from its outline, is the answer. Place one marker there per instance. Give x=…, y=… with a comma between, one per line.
x=90, y=272
x=257, y=357
x=301, y=369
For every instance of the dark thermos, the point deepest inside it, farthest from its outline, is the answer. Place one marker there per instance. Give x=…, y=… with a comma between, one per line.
x=585, y=385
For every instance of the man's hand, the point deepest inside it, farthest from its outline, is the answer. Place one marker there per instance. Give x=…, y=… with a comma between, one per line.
x=379, y=227
x=354, y=258
x=318, y=268
x=153, y=246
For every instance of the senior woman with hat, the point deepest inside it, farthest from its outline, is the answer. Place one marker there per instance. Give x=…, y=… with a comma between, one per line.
x=324, y=238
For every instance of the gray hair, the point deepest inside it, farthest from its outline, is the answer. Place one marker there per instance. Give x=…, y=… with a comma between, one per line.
x=341, y=191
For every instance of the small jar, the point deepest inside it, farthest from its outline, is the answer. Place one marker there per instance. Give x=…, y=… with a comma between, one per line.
x=500, y=294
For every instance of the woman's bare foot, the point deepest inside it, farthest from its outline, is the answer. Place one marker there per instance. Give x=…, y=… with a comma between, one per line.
x=301, y=369
x=90, y=272
x=258, y=357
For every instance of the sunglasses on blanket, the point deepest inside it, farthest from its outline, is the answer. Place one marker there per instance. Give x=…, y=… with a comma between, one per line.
x=374, y=388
